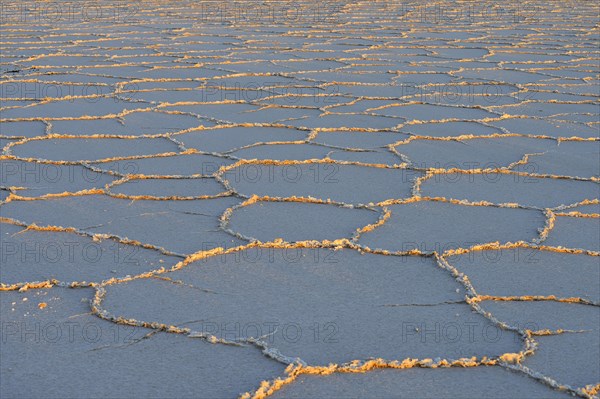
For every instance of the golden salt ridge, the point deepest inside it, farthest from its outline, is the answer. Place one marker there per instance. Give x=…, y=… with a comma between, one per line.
x=310, y=75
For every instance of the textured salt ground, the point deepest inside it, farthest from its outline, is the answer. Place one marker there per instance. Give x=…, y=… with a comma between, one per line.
x=360, y=90
x=5, y=142
x=351, y=121
x=549, y=109
x=543, y=315
x=23, y=129
x=430, y=112
x=466, y=100
x=282, y=98
x=147, y=221
x=174, y=73
x=30, y=255
x=347, y=77
x=37, y=179
x=73, y=108
x=59, y=92
x=93, y=357
x=383, y=157
x=540, y=69
x=471, y=153
x=572, y=232
x=583, y=89
x=243, y=113
x=586, y=209
x=573, y=158
x=577, y=364
x=228, y=139
x=482, y=90
x=259, y=286
x=168, y=188
x=359, y=106
x=12, y=104
x=565, y=97
x=91, y=149
x=170, y=166
x=570, y=358
x=501, y=76
x=282, y=152
x=303, y=221
x=204, y=94
x=266, y=81
x=358, y=140
x=66, y=77
x=157, y=85
x=134, y=124
x=489, y=382
x=509, y=188
x=531, y=272
x=438, y=226
x=322, y=181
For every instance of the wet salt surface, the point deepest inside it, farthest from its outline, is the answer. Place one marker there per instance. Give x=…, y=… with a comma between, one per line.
x=392, y=204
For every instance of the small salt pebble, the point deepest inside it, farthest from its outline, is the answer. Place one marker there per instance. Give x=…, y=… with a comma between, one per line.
x=24, y=299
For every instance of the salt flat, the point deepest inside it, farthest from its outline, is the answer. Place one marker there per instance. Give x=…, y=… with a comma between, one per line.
x=369, y=199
